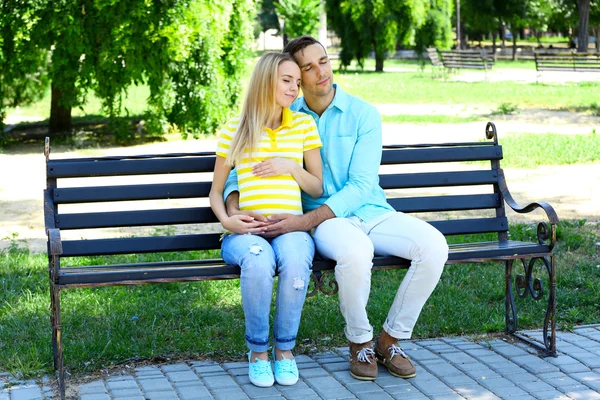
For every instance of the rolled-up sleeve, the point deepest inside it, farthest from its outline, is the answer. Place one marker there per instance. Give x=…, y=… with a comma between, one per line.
x=364, y=167
x=231, y=185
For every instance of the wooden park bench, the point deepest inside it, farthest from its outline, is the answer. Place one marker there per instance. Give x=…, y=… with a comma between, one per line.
x=437, y=66
x=571, y=62
x=467, y=59
x=109, y=185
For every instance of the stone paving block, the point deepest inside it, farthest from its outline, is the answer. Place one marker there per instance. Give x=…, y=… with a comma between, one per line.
x=155, y=385
x=479, y=353
x=182, y=376
x=421, y=354
x=210, y=369
x=374, y=396
x=477, y=392
x=313, y=373
x=524, y=377
x=534, y=364
x=125, y=393
x=94, y=396
x=230, y=394
x=584, y=395
x=242, y=379
x=399, y=391
x=443, y=369
x=328, y=388
x=561, y=360
x=508, y=391
x=548, y=395
x=302, y=358
x=176, y=367
x=238, y=371
x=235, y=365
x=311, y=364
x=534, y=387
x=479, y=374
x=459, y=358
x=509, y=351
x=594, y=385
x=409, y=396
x=571, y=368
x=429, y=342
x=591, y=361
x=26, y=392
x=433, y=387
x=148, y=370
x=302, y=394
x=255, y=392
x=474, y=366
x=113, y=385
x=330, y=360
x=202, y=363
x=585, y=376
x=93, y=388
x=493, y=383
x=337, y=366
x=140, y=397
x=387, y=382
x=219, y=382
x=357, y=387
x=161, y=395
x=458, y=381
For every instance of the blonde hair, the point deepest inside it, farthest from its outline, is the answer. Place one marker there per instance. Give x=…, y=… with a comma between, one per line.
x=258, y=107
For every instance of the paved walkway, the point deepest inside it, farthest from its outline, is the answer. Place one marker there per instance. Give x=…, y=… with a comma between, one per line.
x=447, y=368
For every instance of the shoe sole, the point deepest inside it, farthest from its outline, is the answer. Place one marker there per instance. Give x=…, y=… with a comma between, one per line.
x=363, y=378
x=262, y=385
x=286, y=383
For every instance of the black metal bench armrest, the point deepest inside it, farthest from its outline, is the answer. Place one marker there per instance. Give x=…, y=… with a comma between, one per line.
x=54, y=242
x=544, y=232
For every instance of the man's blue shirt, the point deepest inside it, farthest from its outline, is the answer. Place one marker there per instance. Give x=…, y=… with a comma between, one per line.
x=350, y=130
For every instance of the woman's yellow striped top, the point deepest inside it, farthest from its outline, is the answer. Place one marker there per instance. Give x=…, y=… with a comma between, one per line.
x=277, y=194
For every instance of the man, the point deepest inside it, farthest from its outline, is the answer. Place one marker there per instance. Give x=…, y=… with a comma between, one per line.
x=352, y=220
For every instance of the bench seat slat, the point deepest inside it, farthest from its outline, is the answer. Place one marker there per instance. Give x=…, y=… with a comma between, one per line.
x=92, y=194
x=140, y=166
x=438, y=179
x=446, y=203
x=440, y=154
x=131, y=245
x=194, y=215
x=217, y=269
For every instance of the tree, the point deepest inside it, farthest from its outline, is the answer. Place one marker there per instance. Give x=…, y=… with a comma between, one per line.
x=300, y=17
x=374, y=25
x=583, y=8
x=437, y=29
x=189, y=52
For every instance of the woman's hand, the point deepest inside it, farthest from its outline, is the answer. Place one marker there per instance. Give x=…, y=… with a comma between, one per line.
x=242, y=224
x=274, y=166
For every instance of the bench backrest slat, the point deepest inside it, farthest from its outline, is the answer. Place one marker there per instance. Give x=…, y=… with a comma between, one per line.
x=437, y=179
x=149, y=244
x=441, y=154
x=184, y=190
x=113, y=167
x=446, y=203
x=173, y=216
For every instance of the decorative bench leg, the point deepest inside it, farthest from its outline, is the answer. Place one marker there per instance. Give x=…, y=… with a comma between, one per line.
x=57, y=345
x=528, y=285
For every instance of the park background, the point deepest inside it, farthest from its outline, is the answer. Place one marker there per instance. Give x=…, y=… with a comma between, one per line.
x=134, y=77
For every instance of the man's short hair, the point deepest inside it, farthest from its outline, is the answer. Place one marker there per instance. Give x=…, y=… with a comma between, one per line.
x=300, y=43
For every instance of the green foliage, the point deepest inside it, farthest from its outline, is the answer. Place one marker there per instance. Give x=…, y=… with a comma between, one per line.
x=191, y=53
x=267, y=18
x=505, y=108
x=301, y=17
x=374, y=25
x=437, y=29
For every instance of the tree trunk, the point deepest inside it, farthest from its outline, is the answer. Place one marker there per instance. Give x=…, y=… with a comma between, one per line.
x=494, y=45
x=514, y=56
x=584, y=19
x=60, y=116
x=379, y=57
x=596, y=31
x=502, y=32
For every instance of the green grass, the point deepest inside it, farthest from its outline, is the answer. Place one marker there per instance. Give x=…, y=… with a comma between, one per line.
x=534, y=150
x=419, y=88
x=428, y=119
x=107, y=326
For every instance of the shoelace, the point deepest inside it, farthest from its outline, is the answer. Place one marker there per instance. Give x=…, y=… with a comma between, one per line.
x=262, y=367
x=362, y=354
x=397, y=351
x=286, y=365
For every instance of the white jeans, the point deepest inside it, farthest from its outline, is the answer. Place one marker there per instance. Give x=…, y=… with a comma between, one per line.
x=351, y=243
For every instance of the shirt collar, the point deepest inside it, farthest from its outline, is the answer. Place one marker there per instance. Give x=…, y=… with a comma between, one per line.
x=287, y=118
x=340, y=101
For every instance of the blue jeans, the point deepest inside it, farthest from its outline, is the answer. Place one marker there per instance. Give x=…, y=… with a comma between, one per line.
x=291, y=256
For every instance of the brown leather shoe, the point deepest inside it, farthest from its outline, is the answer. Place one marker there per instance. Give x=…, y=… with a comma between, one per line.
x=363, y=365
x=396, y=361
